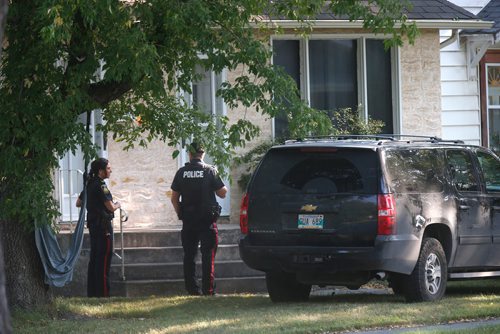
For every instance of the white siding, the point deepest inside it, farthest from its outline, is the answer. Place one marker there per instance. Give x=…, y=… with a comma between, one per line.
x=459, y=96
x=473, y=6
x=460, y=103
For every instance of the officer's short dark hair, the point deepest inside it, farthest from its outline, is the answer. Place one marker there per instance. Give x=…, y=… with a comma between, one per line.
x=196, y=148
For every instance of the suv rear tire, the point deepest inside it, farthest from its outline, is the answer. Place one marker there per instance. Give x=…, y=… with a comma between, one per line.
x=428, y=280
x=283, y=287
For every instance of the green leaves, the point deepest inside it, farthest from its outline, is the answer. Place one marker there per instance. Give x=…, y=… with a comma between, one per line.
x=132, y=59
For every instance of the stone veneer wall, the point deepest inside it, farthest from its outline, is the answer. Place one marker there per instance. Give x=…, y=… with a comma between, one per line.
x=421, y=85
x=141, y=178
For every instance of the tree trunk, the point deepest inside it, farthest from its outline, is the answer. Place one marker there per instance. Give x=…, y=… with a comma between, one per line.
x=24, y=270
x=5, y=326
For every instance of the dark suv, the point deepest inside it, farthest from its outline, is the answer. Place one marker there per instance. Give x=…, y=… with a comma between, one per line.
x=342, y=211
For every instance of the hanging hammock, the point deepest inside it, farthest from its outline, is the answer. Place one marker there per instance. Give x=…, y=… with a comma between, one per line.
x=59, y=268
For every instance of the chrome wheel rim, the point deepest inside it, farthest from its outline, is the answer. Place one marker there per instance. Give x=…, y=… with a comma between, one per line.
x=432, y=274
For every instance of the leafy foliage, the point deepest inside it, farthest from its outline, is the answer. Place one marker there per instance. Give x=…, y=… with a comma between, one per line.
x=349, y=122
x=128, y=59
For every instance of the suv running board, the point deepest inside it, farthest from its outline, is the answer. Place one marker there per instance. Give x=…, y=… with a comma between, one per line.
x=475, y=274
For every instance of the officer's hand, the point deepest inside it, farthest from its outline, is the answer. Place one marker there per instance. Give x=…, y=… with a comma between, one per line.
x=118, y=205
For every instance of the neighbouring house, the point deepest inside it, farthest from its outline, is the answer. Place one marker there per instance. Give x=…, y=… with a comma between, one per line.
x=470, y=78
x=340, y=64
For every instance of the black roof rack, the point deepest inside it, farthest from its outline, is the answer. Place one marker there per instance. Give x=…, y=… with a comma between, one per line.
x=381, y=137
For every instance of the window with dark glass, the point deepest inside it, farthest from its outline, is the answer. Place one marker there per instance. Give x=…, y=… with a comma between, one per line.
x=295, y=171
x=462, y=170
x=339, y=73
x=379, y=83
x=490, y=167
x=286, y=56
x=333, y=74
x=415, y=171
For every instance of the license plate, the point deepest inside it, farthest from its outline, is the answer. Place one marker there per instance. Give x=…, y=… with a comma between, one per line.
x=311, y=221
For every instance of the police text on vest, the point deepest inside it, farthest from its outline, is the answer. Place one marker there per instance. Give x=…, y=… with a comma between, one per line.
x=193, y=174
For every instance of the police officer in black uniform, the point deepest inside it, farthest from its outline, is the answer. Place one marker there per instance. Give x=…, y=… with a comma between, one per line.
x=197, y=184
x=100, y=213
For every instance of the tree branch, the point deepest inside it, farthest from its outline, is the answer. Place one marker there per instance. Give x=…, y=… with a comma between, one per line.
x=105, y=92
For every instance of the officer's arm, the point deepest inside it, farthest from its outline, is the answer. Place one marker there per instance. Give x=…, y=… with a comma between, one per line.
x=112, y=206
x=175, y=202
x=221, y=192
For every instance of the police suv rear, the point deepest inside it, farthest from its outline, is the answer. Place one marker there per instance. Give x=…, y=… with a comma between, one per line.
x=344, y=211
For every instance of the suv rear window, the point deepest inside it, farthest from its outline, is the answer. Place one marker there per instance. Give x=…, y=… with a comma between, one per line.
x=415, y=170
x=317, y=171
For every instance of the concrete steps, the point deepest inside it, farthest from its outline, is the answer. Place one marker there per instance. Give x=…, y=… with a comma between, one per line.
x=153, y=265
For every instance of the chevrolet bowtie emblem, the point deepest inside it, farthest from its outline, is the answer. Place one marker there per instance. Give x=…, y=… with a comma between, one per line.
x=308, y=208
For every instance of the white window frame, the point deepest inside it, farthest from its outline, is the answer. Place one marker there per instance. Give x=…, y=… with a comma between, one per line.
x=183, y=157
x=488, y=105
x=64, y=176
x=305, y=91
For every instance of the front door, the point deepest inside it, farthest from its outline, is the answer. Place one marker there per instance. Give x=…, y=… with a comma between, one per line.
x=473, y=216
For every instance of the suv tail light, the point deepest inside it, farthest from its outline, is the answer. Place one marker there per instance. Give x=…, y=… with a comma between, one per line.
x=386, y=214
x=244, y=214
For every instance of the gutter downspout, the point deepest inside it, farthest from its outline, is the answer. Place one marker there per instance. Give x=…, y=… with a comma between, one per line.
x=452, y=39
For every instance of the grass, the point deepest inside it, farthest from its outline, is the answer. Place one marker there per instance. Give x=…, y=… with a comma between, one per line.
x=254, y=313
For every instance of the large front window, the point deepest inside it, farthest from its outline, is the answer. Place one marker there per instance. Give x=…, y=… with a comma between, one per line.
x=341, y=73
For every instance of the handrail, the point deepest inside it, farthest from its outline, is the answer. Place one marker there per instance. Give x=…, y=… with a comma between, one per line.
x=123, y=218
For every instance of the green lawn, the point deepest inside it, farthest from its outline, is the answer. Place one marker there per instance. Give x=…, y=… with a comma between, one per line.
x=256, y=314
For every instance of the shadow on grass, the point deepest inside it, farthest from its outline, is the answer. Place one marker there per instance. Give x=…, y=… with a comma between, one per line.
x=474, y=287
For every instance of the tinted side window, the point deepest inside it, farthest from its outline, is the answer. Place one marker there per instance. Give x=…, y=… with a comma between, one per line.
x=310, y=171
x=491, y=170
x=462, y=170
x=415, y=170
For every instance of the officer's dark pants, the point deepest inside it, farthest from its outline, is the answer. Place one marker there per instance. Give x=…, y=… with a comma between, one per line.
x=101, y=248
x=208, y=237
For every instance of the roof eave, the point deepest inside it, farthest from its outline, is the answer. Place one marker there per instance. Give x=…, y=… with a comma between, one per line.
x=343, y=24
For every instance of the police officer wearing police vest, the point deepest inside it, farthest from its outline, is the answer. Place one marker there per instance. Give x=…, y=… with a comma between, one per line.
x=193, y=197
x=100, y=213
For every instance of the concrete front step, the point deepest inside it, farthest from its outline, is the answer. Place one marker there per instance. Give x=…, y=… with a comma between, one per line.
x=174, y=270
x=228, y=234
x=141, y=288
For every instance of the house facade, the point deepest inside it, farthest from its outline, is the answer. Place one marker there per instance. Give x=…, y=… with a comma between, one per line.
x=339, y=65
